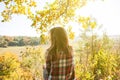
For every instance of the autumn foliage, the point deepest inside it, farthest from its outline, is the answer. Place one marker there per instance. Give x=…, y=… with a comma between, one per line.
x=96, y=58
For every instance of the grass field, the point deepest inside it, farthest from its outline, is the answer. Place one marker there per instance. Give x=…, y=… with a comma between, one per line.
x=33, y=60
x=16, y=50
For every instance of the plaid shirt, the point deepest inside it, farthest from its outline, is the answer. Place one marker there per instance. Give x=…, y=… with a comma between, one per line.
x=62, y=69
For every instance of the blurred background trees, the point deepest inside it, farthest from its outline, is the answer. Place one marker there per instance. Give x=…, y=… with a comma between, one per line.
x=18, y=41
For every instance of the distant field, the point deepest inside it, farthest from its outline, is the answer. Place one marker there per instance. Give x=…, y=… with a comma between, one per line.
x=16, y=50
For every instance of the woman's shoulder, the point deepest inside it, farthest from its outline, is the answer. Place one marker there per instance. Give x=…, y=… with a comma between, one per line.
x=47, y=54
x=47, y=51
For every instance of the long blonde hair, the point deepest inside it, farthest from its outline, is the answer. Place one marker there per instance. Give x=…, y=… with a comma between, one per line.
x=59, y=41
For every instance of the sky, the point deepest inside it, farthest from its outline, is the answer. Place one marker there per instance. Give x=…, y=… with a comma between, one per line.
x=106, y=12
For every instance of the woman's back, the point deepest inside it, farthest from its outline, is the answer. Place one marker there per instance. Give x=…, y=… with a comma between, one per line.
x=61, y=68
x=59, y=57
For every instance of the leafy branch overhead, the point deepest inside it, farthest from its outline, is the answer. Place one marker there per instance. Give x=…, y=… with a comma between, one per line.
x=58, y=11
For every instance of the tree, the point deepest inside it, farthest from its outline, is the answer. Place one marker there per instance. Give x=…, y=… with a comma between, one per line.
x=58, y=12
x=3, y=42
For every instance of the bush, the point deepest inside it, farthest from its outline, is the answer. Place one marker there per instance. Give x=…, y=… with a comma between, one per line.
x=96, y=59
x=33, y=60
x=10, y=68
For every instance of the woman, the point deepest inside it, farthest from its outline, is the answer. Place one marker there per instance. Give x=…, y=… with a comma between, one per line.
x=59, y=57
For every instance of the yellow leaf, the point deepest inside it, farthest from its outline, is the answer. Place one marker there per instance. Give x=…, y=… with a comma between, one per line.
x=92, y=24
x=71, y=35
x=81, y=19
x=84, y=25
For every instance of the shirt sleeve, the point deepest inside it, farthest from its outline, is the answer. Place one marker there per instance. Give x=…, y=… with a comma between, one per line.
x=48, y=62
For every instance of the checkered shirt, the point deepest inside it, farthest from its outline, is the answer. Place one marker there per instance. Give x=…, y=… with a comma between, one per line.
x=62, y=69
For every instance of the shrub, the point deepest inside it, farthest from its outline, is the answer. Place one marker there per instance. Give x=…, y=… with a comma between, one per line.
x=10, y=68
x=33, y=59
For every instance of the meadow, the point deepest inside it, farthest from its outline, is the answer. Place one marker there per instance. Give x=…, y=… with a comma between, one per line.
x=15, y=50
x=97, y=61
x=13, y=56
